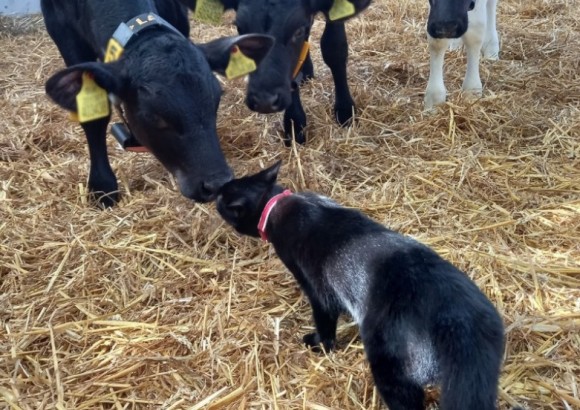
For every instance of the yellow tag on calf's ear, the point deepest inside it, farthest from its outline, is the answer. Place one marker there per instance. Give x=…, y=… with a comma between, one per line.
x=114, y=51
x=239, y=64
x=209, y=11
x=92, y=100
x=341, y=9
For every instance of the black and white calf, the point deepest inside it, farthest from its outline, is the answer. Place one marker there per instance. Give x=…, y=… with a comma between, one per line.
x=422, y=321
x=273, y=87
x=472, y=22
x=164, y=83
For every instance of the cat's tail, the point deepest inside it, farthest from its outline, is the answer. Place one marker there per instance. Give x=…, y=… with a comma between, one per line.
x=470, y=355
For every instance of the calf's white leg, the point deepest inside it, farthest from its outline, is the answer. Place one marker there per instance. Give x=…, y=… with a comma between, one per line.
x=435, y=92
x=455, y=44
x=491, y=39
x=473, y=40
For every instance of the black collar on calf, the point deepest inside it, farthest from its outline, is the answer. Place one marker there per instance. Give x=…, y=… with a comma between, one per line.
x=129, y=30
x=123, y=35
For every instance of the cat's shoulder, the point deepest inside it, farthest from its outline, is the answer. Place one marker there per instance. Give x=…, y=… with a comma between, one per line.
x=317, y=199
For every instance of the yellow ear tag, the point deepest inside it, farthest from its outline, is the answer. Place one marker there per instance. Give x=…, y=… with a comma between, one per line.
x=209, y=11
x=114, y=51
x=341, y=9
x=92, y=100
x=239, y=64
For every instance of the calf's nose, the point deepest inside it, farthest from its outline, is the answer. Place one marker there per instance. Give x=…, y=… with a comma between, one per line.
x=445, y=29
x=209, y=188
x=265, y=102
x=208, y=191
x=203, y=189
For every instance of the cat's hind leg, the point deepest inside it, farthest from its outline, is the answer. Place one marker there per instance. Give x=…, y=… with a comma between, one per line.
x=385, y=347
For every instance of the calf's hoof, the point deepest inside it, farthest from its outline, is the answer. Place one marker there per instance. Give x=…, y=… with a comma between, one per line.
x=297, y=135
x=344, y=113
x=105, y=200
x=474, y=91
x=434, y=98
x=105, y=194
x=491, y=51
x=294, y=128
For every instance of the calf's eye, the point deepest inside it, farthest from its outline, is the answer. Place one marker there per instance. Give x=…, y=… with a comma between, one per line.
x=299, y=34
x=160, y=123
x=471, y=5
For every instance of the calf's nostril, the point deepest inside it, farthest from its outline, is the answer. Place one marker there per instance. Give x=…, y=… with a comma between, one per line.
x=208, y=190
x=275, y=101
x=446, y=30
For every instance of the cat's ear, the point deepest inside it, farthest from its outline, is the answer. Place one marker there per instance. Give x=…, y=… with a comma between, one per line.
x=269, y=175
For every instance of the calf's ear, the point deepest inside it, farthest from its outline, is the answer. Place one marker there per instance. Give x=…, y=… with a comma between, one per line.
x=337, y=10
x=64, y=86
x=270, y=174
x=254, y=46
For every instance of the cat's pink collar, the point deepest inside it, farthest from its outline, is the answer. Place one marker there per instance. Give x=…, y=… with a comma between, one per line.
x=266, y=213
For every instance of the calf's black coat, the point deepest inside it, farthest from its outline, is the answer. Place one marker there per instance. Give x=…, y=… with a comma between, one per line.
x=272, y=87
x=164, y=82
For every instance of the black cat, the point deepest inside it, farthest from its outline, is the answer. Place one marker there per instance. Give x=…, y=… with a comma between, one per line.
x=422, y=320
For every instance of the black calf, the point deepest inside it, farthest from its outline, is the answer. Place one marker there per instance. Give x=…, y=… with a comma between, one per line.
x=273, y=86
x=163, y=82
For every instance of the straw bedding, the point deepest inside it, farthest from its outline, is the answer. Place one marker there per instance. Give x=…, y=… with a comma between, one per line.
x=157, y=304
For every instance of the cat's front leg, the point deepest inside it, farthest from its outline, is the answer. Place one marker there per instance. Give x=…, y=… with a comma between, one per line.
x=325, y=316
x=325, y=320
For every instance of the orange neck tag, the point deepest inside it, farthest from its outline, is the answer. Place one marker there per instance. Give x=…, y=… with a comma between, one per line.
x=301, y=59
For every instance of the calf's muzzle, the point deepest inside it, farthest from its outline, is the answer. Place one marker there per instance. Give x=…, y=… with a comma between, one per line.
x=204, y=189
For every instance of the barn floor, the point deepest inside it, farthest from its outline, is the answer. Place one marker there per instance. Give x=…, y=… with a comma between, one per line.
x=157, y=304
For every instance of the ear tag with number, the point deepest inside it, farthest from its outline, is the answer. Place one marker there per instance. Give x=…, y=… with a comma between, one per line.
x=209, y=11
x=239, y=64
x=114, y=51
x=341, y=9
x=92, y=100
